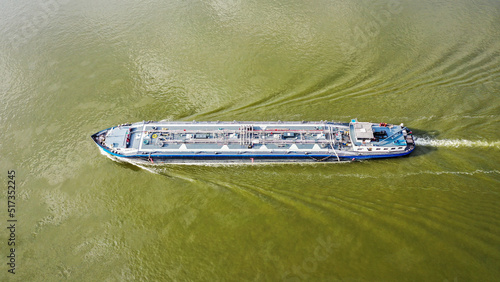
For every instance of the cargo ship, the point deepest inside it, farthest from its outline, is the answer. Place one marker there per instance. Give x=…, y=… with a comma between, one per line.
x=163, y=142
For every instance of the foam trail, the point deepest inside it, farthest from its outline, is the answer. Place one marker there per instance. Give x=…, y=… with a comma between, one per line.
x=426, y=141
x=417, y=173
x=125, y=160
x=477, y=171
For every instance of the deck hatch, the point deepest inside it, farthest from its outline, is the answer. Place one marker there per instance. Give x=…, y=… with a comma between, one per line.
x=363, y=130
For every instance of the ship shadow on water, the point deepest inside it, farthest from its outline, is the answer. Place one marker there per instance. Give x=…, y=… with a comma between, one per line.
x=421, y=150
x=127, y=165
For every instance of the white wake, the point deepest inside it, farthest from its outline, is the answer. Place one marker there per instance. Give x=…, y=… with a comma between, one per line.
x=427, y=141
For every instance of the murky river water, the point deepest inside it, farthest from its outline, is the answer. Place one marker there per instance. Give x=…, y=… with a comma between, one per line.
x=70, y=68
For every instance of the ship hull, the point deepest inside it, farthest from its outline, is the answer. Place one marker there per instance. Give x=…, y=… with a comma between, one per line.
x=232, y=143
x=218, y=159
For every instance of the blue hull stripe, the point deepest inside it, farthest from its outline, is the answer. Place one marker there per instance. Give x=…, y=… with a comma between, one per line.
x=240, y=156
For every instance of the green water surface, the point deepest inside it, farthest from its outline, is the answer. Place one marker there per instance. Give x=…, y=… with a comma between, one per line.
x=71, y=68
